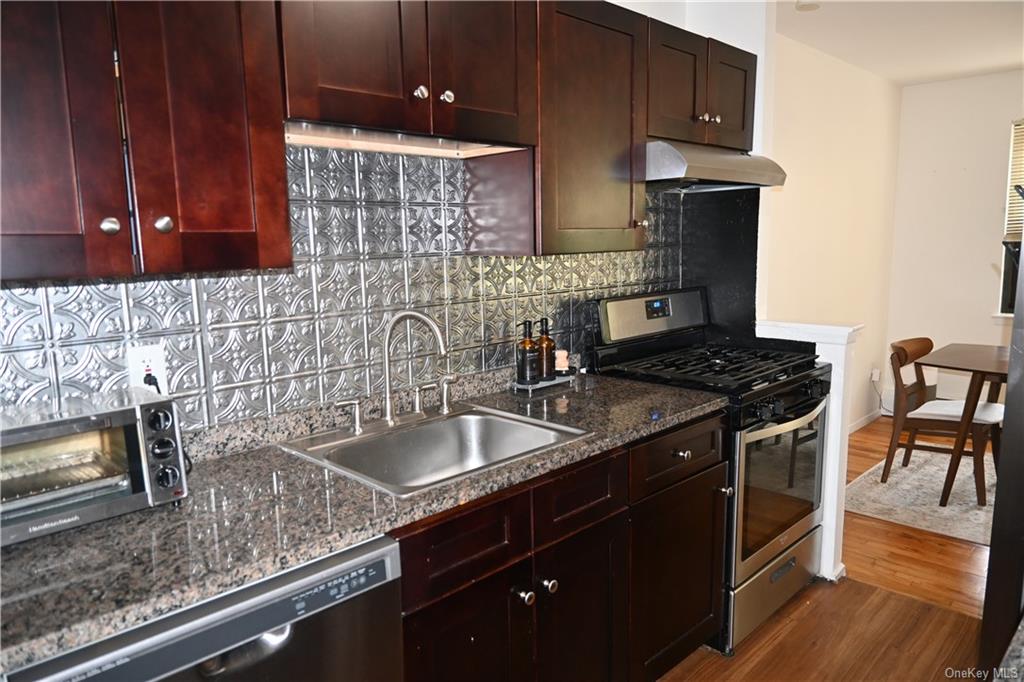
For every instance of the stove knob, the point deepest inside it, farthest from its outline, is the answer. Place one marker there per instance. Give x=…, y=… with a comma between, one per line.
x=764, y=411
x=815, y=389
x=778, y=407
x=160, y=420
x=162, y=448
x=167, y=477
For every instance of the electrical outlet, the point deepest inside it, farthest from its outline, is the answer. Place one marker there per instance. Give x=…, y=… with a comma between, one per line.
x=147, y=367
x=876, y=374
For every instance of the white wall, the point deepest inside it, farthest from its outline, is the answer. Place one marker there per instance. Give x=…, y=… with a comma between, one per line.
x=825, y=254
x=950, y=208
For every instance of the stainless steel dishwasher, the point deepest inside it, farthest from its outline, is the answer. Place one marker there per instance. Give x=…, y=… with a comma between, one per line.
x=337, y=618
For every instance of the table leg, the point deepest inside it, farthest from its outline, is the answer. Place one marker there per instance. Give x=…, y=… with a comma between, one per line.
x=970, y=406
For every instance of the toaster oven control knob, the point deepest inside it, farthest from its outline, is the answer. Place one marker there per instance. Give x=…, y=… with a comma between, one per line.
x=162, y=448
x=160, y=420
x=167, y=477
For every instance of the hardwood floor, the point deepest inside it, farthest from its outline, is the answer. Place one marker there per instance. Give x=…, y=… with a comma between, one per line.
x=935, y=568
x=909, y=608
x=847, y=631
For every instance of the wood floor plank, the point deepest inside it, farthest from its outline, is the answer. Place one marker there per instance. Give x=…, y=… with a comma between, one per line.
x=845, y=631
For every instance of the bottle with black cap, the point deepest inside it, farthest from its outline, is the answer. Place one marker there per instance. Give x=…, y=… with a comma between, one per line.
x=546, y=349
x=527, y=357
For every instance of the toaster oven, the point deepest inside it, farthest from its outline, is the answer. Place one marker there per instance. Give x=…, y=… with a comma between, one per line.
x=91, y=460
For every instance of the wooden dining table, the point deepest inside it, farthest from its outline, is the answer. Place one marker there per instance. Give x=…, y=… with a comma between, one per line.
x=985, y=363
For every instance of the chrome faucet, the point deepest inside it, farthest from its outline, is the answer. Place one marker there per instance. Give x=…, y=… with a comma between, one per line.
x=389, y=410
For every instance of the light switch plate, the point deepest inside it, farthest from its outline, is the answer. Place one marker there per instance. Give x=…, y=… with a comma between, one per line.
x=148, y=361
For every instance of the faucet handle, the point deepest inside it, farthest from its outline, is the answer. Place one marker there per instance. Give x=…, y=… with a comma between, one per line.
x=446, y=381
x=357, y=417
x=417, y=402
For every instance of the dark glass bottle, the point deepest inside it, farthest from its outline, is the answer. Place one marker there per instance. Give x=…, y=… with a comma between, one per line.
x=546, y=350
x=527, y=357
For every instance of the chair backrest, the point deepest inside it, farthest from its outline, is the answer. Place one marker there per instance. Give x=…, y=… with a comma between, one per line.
x=908, y=397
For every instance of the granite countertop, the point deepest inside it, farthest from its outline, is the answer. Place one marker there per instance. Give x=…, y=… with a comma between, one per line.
x=1013, y=659
x=254, y=514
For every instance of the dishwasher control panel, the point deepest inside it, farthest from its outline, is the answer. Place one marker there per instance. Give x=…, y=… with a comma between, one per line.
x=340, y=587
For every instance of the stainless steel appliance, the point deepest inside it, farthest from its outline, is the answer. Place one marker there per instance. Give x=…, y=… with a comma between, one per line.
x=778, y=397
x=337, y=618
x=93, y=459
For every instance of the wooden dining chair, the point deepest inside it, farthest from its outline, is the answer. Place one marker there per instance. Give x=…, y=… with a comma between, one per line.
x=919, y=416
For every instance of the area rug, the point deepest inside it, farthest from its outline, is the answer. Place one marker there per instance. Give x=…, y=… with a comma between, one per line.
x=911, y=496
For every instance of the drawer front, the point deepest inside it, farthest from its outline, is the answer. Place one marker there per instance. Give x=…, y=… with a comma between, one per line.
x=580, y=498
x=666, y=459
x=444, y=557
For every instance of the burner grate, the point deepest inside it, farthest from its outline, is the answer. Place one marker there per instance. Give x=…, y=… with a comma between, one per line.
x=721, y=366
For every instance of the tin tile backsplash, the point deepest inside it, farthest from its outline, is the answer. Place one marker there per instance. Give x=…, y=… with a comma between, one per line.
x=372, y=233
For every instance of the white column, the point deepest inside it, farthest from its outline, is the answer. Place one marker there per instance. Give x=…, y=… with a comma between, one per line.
x=834, y=344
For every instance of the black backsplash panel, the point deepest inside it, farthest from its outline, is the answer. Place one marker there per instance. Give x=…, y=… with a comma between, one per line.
x=719, y=251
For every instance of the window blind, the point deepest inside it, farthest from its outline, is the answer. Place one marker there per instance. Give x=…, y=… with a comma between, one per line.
x=1014, y=202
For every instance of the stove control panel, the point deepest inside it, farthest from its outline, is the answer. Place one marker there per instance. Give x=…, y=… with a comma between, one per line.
x=658, y=307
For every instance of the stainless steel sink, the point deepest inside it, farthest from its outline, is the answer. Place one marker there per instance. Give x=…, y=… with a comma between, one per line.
x=406, y=459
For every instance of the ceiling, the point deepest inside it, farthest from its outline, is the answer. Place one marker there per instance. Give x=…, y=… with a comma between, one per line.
x=912, y=42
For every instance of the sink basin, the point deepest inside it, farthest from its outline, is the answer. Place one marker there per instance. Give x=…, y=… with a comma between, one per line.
x=406, y=459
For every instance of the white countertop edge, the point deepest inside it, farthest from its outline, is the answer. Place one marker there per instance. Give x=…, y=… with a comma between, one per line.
x=842, y=335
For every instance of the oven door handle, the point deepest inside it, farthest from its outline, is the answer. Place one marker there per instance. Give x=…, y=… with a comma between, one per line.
x=779, y=429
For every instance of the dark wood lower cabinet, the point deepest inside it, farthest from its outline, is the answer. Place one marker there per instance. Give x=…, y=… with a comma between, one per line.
x=582, y=626
x=677, y=545
x=482, y=632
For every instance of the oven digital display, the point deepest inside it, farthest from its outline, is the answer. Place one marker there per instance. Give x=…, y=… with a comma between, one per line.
x=657, y=307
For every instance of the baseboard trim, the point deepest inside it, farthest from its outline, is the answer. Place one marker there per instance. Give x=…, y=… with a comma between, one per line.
x=865, y=420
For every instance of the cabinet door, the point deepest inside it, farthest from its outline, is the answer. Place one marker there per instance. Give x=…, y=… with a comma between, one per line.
x=677, y=544
x=731, y=74
x=357, y=63
x=61, y=162
x=593, y=61
x=483, y=632
x=485, y=55
x=582, y=626
x=677, y=82
x=202, y=89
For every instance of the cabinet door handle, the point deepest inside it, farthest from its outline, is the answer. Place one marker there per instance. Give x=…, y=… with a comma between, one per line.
x=421, y=92
x=729, y=492
x=550, y=585
x=644, y=224
x=527, y=598
x=448, y=96
x=717, y=118
x=110, y=226
x=685, y=455
x=164, y=224
x=704, y=117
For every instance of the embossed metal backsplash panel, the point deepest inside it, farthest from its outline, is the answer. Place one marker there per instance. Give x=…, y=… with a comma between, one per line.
x=372, y=233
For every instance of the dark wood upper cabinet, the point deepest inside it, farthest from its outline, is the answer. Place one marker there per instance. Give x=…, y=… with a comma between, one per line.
x=204, y=114
x=677, y=550
x=677, y=84
x=472, y=75
x=62, y=166
x=483, y=632
x=701, y=90
x=357, y=63
x=582, y=625
x=731, y=74
x=483, y=57
x=593, y=61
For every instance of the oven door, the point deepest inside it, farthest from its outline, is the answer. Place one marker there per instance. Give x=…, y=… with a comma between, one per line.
x=778, y=473
x=69, y=473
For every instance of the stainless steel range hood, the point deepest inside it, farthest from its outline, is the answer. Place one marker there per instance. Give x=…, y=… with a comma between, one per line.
x=684, y=167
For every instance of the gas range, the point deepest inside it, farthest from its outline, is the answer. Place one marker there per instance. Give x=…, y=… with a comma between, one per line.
x=662, y=338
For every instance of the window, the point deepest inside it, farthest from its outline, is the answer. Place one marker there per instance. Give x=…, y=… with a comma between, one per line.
x=1014, y=219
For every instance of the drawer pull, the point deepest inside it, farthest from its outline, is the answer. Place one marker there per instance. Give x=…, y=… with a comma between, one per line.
x=728, y=491
x=528, y=597
x=685, y=455
x=550, y=585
